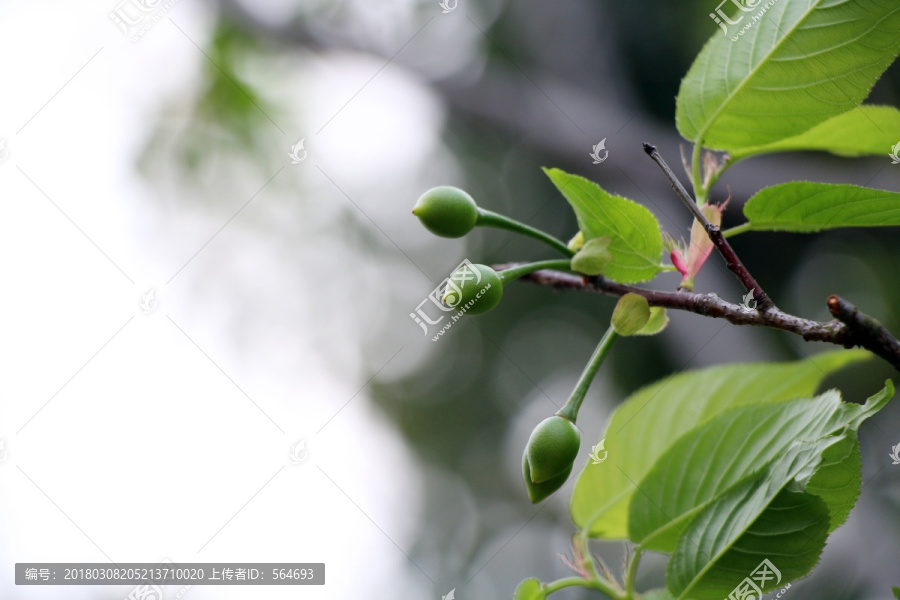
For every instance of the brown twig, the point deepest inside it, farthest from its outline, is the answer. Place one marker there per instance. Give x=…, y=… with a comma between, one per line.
x=849, y=328
x=764, y=303
x=863, y=330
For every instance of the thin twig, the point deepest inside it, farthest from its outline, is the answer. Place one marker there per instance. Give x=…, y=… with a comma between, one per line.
x=849, y=328
x=651, y=151
x=734, y=264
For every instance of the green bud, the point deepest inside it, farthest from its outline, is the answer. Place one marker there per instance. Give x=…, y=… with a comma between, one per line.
x=473, y=288
x=593, y=257
x=577, y=242
x=552, y=448
x=632, y=313
x=658, y=321
x=447, y=211
x=539, y=491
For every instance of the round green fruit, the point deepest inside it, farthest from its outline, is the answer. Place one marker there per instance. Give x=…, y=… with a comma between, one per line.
x=475, y=289
x=552, y=448
x=447, y=211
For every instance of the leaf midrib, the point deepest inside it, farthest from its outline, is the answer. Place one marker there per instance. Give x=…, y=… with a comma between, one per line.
x=710, y=565
x=753, y=71
x=794, y=380
x=697, y=504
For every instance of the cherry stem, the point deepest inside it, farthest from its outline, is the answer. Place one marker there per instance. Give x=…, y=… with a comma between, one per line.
x=570, y=410
x=487, y=218
x=518, y=271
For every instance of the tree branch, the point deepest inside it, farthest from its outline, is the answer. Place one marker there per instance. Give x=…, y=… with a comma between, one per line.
x=849, y=328
x=764, y=303
x=863, y=330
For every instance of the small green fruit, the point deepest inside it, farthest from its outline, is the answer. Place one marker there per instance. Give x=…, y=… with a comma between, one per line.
x=473, y=288
x=539, y=491
x=447, y=211
x=552, y=449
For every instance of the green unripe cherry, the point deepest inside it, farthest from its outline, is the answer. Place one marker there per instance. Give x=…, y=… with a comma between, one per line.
x=447, y=211
x=552, y=449
x=475, y=288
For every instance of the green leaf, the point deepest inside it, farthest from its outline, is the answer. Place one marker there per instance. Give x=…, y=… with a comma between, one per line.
x=896, y=591
x=804, y=207
x=631, y=315
x=837, y=481
x=801, y=63
x=762, y=514
x=786, y=439
x=790, y=534
x=864, y=130
x=593, y=257
x=530, y=589
x=651, y=419
x=635, y=239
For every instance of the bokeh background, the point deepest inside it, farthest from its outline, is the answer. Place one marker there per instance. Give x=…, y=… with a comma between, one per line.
x=148, y=149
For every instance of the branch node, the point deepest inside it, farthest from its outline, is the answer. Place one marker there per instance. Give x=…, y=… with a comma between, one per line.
x=714, y=232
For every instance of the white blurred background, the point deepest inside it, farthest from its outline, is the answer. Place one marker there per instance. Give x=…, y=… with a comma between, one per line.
x=137, y=437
